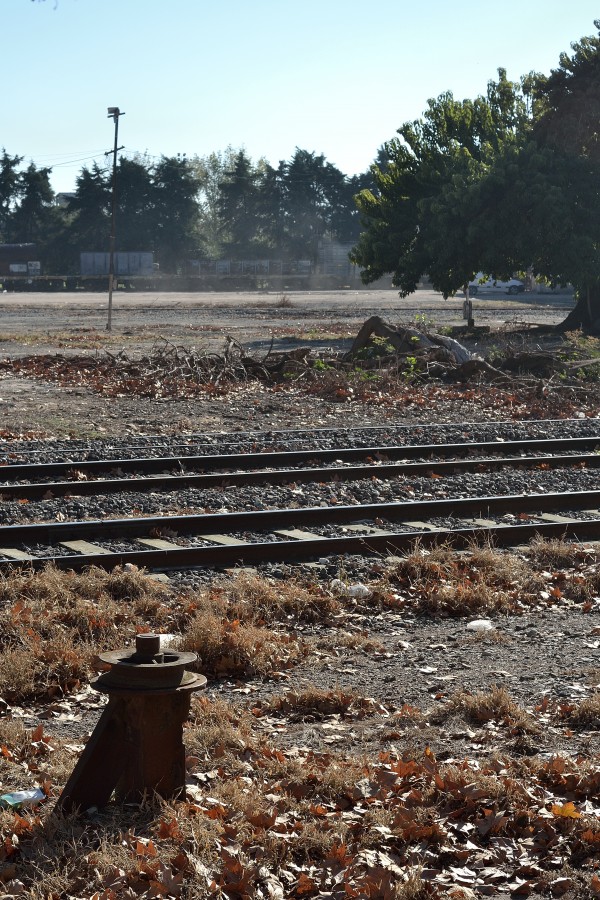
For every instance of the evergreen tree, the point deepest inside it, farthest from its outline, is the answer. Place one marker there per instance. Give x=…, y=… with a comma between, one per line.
x=9, y=190
x=175, y=188
x=238, y=209
x=34, y=216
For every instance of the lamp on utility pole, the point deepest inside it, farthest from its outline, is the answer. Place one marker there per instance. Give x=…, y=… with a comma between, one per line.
x=113, y=113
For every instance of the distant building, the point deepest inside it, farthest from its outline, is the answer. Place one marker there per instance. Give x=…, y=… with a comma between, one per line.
x=64, y=198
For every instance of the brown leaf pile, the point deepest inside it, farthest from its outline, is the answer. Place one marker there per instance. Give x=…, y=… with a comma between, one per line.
x=264, y=822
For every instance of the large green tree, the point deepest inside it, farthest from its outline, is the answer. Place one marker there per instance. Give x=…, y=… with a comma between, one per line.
x=156, y=209
x=134, y=219
x=419, y=218
x=90, y=210
x=34, y=216
x=507, y=181
x=311, y=189
x=566, y=137
x=210, y=171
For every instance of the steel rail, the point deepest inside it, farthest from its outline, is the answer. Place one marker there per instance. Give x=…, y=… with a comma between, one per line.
x=209, y=438
x=213, y=462
x=383, y=471
x=287, y=551
x=265, y=520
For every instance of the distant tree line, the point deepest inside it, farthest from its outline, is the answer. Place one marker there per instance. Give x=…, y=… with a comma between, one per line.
x=220, y=206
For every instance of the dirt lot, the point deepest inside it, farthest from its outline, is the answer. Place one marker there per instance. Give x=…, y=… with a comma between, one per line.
x=76, y=324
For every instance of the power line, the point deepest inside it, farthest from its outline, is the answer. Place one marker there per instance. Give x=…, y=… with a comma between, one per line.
x=69, y=154
x=72, y=162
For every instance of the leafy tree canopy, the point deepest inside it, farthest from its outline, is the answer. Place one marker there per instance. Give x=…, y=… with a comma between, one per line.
x=498, y=184
x=419, y=216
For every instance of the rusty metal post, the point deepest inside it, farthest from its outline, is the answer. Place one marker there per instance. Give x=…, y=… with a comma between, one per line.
x=137, y=746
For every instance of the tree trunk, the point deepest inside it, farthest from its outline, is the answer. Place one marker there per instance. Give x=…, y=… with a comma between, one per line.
x=408, y=340
x=586, y=314
x=404, y=340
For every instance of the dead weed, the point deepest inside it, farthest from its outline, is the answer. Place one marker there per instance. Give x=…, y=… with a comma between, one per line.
x=495, y=704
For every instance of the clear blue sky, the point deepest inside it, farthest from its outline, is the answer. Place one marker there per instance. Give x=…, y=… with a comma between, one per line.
x=333, y=76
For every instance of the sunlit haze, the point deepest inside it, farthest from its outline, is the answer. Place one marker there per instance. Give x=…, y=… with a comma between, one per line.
x=336, y=77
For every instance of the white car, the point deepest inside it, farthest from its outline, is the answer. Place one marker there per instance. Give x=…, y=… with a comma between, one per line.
x=491, y=285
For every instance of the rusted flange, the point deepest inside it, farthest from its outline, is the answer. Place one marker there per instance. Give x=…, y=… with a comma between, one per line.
x=147, y=668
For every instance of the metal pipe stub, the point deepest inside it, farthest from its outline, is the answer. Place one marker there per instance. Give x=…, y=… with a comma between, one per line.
x=147, y=668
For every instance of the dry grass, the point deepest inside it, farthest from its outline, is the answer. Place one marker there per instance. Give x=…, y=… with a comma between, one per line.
x=252, y=598
x=260, y=810
x=553, y=552
x=464, y=599
x=485, y=580
x=450, y=584
x=414, y=888
x=314, y=703
x=586, y=713
x=350, y=641
x=53, y=623
x=495, y=705
x=423, y=565
x=276, y=810
x=226, y=647
x=217, y=728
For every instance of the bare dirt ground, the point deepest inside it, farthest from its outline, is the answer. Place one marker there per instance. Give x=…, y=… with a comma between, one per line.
x=33, y=324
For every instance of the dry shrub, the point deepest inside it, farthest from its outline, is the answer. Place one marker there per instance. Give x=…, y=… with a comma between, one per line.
x=502, y=567
x=424, y=565
x=553, y=551
x=253, y=598
x=492, y=788
x=217, y=726
x=444, y=582
x=19, y=670
x=53, y=585
x=75, y=857
x=235, y=649
x=495, y=704
x=464, y=598
x=414, y=888
x=14, y=736
x=53, y=623
x=319, y=776
x=228, y=629
x=586, y=713
x=407, y=713
x=56, y=862
x=316, y=842
x=316, y=703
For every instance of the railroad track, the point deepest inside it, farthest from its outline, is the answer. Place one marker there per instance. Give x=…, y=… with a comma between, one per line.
x=222, y=539
x=93, y=477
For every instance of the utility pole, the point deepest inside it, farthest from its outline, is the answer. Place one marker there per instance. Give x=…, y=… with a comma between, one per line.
x=113, y=113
